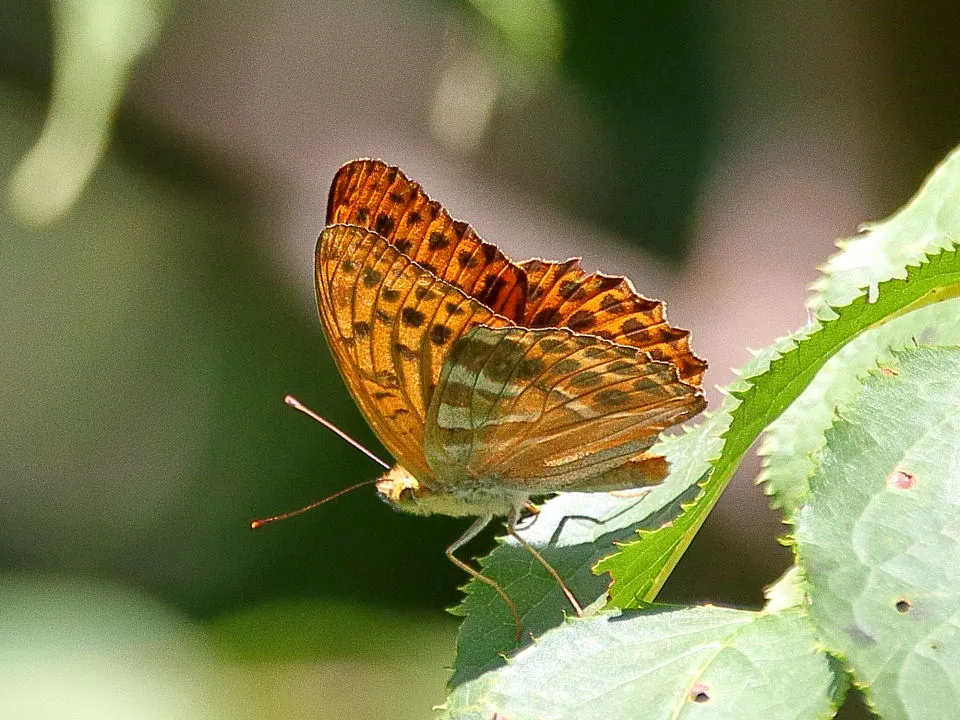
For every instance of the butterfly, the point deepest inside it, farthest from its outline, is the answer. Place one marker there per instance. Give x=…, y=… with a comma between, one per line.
x=490, y=381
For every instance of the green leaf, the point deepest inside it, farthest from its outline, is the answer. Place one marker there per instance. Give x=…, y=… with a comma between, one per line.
x=705, y=662
x=928, y=223
x=792, y=442
x=787, y=592
x=638, y=569
x=879, y=536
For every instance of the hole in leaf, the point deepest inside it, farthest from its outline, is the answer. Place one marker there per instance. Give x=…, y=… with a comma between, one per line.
x=901, y=480
x=903, y=606
x=699, y=694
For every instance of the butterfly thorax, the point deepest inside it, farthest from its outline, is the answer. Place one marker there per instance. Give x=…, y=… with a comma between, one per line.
x=404, y=492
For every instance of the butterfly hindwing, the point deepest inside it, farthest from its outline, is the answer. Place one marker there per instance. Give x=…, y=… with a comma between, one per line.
x=390, y=323
x=548, y=409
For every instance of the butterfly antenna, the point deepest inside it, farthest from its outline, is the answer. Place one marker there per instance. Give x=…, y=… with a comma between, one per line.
x=297, y=405
x=266, y=521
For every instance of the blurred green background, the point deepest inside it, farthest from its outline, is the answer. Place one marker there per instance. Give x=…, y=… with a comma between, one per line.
x=164, y=170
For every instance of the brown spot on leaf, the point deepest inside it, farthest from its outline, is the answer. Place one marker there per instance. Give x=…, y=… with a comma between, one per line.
x=901, y=480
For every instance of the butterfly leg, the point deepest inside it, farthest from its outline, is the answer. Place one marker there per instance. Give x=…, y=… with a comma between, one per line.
x=471, y=532
x=512, y=529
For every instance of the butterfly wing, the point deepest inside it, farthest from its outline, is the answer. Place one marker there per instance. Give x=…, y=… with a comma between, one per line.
x=389, y=324
x=373, y=195
x=549, y=410
x=563, y=295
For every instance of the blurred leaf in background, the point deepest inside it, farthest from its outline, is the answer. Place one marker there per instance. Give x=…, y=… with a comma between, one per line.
x=604, y=113
x=96, y=43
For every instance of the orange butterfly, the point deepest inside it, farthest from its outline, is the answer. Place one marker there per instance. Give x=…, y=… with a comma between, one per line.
x=491, y=381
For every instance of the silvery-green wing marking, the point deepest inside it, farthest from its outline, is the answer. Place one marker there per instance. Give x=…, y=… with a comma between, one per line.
x=548, y=410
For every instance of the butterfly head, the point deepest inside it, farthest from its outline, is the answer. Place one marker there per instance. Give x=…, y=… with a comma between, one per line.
x=401, y=490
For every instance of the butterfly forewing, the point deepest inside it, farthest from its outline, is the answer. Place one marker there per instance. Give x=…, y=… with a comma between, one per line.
x=564, y=295
x=548, y=409
x=389, y=323
x=370, y=194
